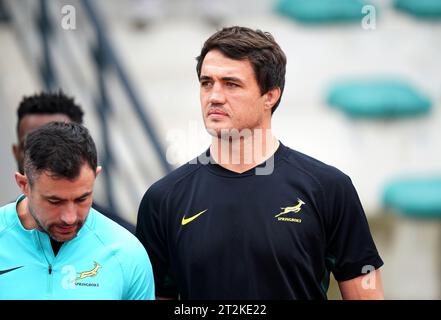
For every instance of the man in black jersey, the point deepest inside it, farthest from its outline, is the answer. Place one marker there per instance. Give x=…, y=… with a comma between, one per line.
x=251, y=218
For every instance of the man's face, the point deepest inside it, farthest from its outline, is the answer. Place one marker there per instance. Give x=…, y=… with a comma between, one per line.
x=29, y=123
x=60, y=206
x=230, y=95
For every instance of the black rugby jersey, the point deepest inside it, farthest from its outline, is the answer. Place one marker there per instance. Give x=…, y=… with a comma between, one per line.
x=215, y=234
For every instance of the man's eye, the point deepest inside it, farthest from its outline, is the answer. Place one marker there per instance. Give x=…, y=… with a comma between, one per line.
x=232, y=84
x=205, y=83
x=54, y=202
x=82, y=199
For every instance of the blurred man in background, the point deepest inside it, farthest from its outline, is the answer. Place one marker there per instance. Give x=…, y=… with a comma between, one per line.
x=53, y=244
x=251, y=218
x=39, y=109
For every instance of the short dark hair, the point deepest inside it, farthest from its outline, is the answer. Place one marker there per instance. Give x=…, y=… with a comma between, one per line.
x=50, y=103
x=258, y=47
x=59, y=148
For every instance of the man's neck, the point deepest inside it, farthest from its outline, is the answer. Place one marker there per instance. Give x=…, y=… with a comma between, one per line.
x=243, y=153
x=26, y=219
x=28, y=222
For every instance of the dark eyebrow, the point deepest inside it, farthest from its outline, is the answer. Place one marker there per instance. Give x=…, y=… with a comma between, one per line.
x=231, y=79
x=204, y=78
x=50, y=197
x=53, y=198
x=85, y=194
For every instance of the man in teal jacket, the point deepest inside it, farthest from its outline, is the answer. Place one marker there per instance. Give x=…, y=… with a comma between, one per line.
x=53, y=245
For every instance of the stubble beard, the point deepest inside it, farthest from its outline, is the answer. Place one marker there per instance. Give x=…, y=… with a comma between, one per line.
x=47, y=229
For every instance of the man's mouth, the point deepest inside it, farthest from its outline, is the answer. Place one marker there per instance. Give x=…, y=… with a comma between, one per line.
x=217, y=113
x=65, y=229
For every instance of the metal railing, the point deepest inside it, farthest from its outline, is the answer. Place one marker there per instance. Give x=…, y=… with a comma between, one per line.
x=101, y=54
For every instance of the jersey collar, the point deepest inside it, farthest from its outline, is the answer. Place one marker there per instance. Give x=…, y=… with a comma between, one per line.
x=217, y=169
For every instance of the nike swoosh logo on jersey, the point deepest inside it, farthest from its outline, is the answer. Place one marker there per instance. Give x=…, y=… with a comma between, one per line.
x=188, y=220
x=9, y=270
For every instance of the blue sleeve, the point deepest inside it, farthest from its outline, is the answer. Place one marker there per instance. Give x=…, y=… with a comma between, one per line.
x=139, y=276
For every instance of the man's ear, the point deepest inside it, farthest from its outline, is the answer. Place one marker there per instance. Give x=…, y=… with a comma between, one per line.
x=271, y=97
x=23, y=183
x=98, y=170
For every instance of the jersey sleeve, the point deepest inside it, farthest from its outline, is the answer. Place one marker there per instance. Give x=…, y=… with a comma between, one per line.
x=350, y=251
x=151, y=232
x=140, y=282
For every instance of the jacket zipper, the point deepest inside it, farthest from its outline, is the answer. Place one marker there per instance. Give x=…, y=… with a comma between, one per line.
x=49, y=285
x=49, y=276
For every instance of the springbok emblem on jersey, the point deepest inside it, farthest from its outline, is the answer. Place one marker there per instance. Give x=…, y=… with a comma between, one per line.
x=294, y=209
x=90, y=273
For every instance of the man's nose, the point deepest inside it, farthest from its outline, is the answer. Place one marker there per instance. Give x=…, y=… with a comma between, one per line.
x=217, y=95
x=69, y=214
